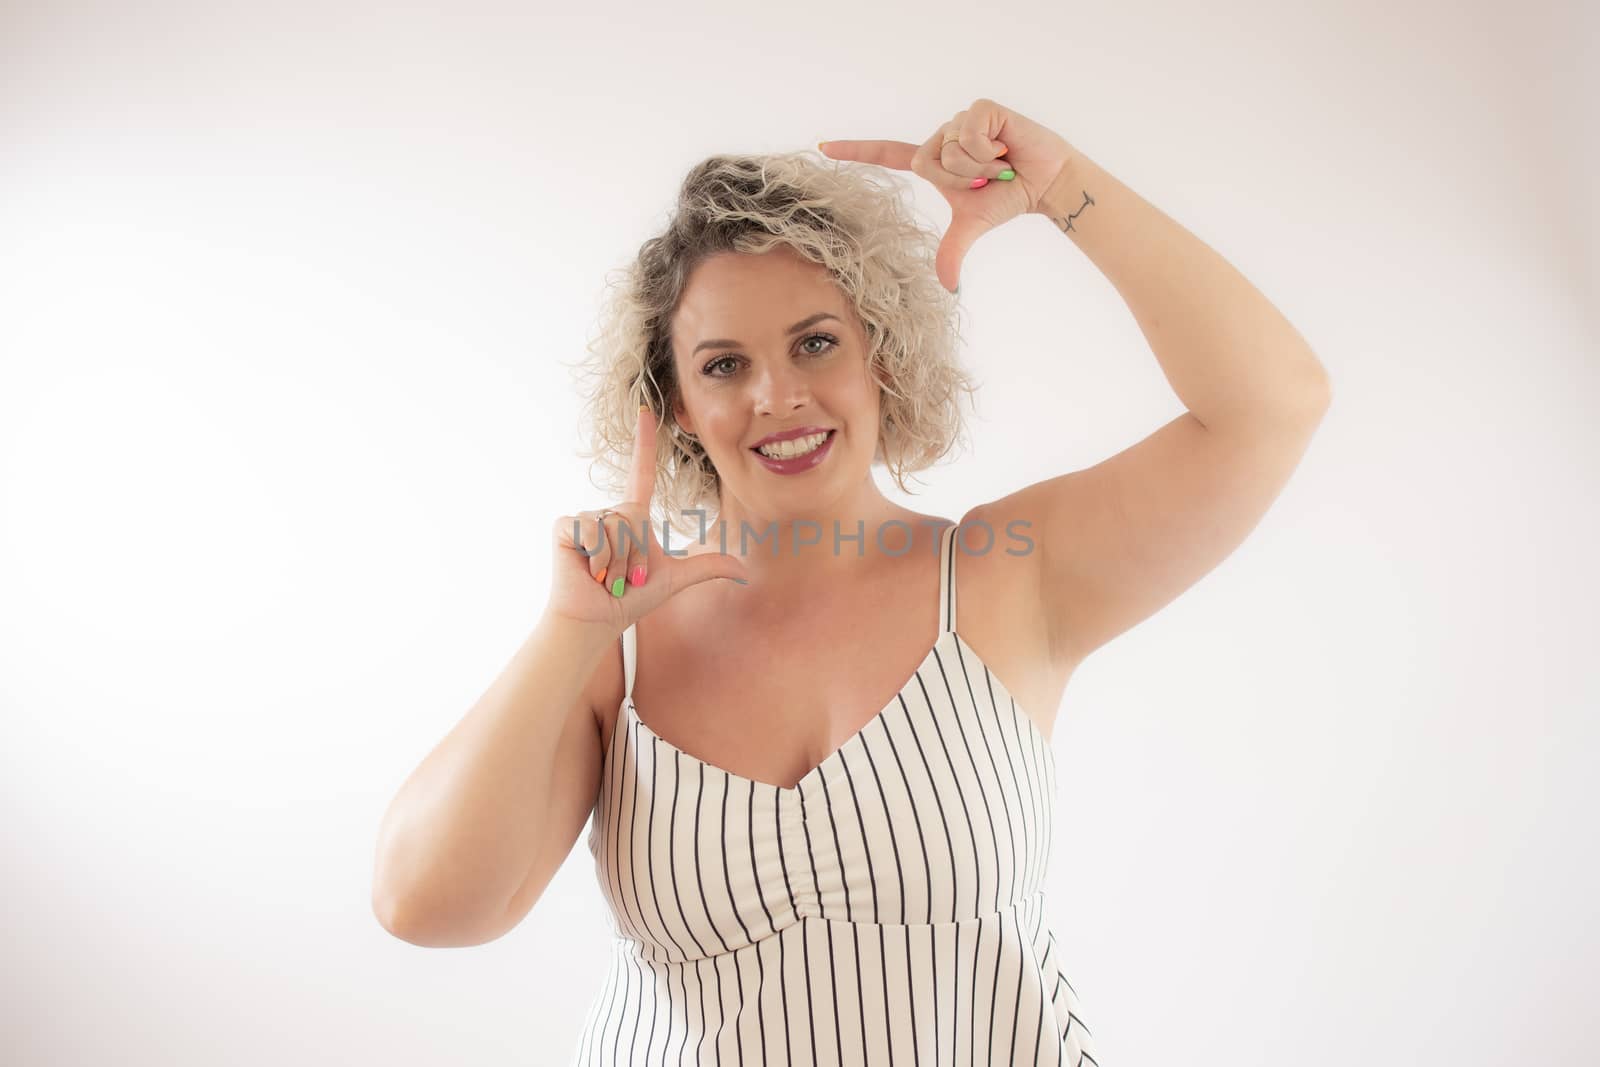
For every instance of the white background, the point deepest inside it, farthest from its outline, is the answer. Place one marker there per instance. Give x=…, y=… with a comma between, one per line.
x=286, y=293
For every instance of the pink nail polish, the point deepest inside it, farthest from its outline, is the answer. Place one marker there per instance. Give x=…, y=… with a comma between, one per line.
x=636, y=576
x=978, y=183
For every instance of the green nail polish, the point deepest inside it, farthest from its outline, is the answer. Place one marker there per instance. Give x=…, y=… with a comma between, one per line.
x=616, y=586
x=1006, y=175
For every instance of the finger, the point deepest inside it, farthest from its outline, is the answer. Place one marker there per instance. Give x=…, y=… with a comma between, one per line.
x=569, y=533
x=597, y=542
x=692, y=570
x=963, y=140
x=622, y=533
x=958, y=240
x=638, y=565
x=957, y=158
x=642, y=465
x=930, y=164
x=580, y=535
x=632, y=544
x=949, y=165
x=895, y=154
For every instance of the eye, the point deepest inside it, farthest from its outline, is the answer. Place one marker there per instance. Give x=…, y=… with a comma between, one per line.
x=832, y=342
x=821, y=337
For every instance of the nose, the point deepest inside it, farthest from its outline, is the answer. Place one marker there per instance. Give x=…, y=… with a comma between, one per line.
x=781, y=389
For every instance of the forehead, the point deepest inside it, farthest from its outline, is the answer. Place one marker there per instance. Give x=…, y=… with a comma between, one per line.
x=753, y=299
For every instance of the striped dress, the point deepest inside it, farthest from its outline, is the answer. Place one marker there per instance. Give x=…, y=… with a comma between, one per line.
x=886, y=909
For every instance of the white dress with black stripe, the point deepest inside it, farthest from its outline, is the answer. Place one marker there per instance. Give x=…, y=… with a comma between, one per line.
x=886, y=909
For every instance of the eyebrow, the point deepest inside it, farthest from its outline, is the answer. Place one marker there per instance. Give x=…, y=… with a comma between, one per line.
x=723, y=342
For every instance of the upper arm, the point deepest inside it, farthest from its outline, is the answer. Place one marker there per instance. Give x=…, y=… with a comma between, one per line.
x=1117, y=541
x=574, y=784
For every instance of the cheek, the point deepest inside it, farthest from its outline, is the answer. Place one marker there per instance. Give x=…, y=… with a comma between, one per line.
x=851, y=384
x=722, y=423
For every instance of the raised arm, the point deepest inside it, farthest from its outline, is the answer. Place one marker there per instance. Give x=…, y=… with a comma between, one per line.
x=1117, y=541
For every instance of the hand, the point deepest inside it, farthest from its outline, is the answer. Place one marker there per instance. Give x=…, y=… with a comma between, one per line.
x=584, y=587
x=966, y=148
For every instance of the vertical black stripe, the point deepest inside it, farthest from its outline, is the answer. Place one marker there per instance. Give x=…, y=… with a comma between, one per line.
x=844, y=879
x=833, y=971
x=650, y=851
x=938, y=800
x=783, y=861
x=1011, y=887
x=699, y=878
x=922, y=838
x=1000, y=930
x=672, y=852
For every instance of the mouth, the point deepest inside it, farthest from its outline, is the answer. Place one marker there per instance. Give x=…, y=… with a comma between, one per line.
x=793, y=457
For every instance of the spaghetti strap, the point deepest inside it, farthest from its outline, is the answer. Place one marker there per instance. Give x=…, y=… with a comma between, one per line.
x=629, y=655
x=947, y=578
x=754, y=871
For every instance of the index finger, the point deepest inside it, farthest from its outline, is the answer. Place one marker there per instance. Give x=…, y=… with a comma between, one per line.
x=896, y=154
x=642, y=465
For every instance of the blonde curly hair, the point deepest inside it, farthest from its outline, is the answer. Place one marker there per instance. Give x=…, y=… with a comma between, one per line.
x=834, y=216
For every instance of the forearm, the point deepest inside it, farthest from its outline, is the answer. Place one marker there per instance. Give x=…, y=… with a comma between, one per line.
x=465, y=828
x=1231, y=357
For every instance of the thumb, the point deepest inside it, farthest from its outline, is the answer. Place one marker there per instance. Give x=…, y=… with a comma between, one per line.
x=692, y=570
x=958, y=240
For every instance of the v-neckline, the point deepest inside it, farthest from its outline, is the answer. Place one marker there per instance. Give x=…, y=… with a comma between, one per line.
x=856, y=738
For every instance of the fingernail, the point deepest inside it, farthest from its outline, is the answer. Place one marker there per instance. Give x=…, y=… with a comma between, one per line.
x=636, y=576
x=1006, y=175
x=741, y=581
x=617, y=586
x=978, y=183
x=601, y=577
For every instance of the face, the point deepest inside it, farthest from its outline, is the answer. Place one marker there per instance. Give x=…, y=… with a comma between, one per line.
x=756, y=377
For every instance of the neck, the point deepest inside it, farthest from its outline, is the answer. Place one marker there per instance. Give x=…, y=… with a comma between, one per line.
x=797, y=549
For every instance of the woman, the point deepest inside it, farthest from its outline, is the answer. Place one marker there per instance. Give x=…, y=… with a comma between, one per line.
x=821, y=791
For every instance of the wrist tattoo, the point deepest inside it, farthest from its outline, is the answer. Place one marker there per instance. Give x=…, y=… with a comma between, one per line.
x=1064, y=222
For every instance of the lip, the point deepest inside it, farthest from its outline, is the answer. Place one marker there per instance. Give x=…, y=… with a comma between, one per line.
x=786, y=435
x=799, y=464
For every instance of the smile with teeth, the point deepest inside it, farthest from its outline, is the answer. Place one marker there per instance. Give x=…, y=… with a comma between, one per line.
x=798, y=446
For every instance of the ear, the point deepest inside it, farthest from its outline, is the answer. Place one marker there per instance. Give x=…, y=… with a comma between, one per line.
x=681, y=416
x=884, y=380
x=879, y=374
